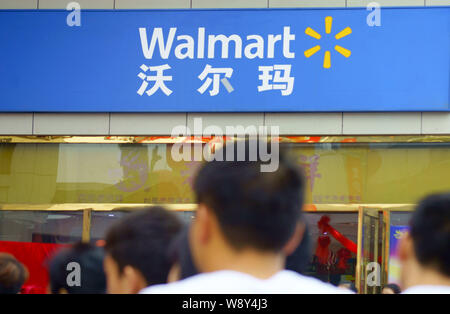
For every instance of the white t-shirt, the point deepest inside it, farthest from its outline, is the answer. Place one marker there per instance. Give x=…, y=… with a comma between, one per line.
x=427, y=289
x=228, y=281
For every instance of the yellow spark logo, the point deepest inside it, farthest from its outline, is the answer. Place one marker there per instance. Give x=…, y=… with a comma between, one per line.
x=327, y=58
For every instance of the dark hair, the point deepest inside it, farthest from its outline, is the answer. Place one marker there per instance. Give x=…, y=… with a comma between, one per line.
x=141, y=240
x=394, y=287
x=430, y=232
x=12, y=274
x=180, y=252
x=254, y=208
x=300, y=258
x=92, y=276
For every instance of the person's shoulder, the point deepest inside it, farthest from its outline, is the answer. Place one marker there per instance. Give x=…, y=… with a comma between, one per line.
x=169, y=288
x=215, y=282
x=427, y=289
x=304, y=284
x=233, y=282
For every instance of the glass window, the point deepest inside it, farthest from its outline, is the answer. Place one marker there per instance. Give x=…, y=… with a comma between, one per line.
x=101, y=221
x=332, y=261
x=41, y=226
x=337, y=173
x=400, y=218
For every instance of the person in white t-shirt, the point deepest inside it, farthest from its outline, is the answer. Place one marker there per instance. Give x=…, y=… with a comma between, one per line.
x=247, y=222
x=425, y=251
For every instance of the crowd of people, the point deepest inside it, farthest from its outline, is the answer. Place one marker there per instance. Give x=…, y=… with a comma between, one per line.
x=248, y=236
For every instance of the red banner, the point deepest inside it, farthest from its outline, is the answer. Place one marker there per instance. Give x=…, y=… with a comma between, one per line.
x=34, y=256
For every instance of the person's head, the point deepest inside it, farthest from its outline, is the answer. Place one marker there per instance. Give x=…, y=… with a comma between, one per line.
x=12, y=274
x=243, y=209
x=77, y=270
x=424, y=252
x=136, y=249
x=391, y=288
x=300, y=258
x=181, y=258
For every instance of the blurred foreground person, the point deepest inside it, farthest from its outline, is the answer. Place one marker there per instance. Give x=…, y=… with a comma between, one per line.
x=12, y=274
x=181, y=258
x=299, y=259
x=425, y=251
x=348, y=286
x=245, y=226
x=136, y=250
x=391, y=288
x=183, y=266
x=85, y=277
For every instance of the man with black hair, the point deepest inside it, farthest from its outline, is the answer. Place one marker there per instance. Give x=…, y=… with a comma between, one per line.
x=425, y=251
x=183, y=266
x=247, y=222
x=180, y=256
x=89, y=259
x=299, y=259
x=391, y=288
x=12, y=274
x=136, y=250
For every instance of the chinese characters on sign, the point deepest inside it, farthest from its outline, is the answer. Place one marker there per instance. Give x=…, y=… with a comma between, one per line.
x=159, y=80
x=310, y=164
x=216, y=76
x=271, y=77
x=287, y=82
x=276, y=77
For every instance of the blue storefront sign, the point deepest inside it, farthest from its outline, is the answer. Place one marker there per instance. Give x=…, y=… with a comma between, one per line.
x=271, y=60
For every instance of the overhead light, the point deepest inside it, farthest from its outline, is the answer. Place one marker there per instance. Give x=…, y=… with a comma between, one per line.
x=56, y=216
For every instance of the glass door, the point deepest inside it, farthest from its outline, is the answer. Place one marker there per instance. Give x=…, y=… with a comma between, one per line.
x=371, y=253
x=331, y=238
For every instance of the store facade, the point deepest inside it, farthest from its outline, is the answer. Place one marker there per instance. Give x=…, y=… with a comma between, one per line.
x=66, y=174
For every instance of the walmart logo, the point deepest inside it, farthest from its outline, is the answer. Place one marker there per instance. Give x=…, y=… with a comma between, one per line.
x=327, y=57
